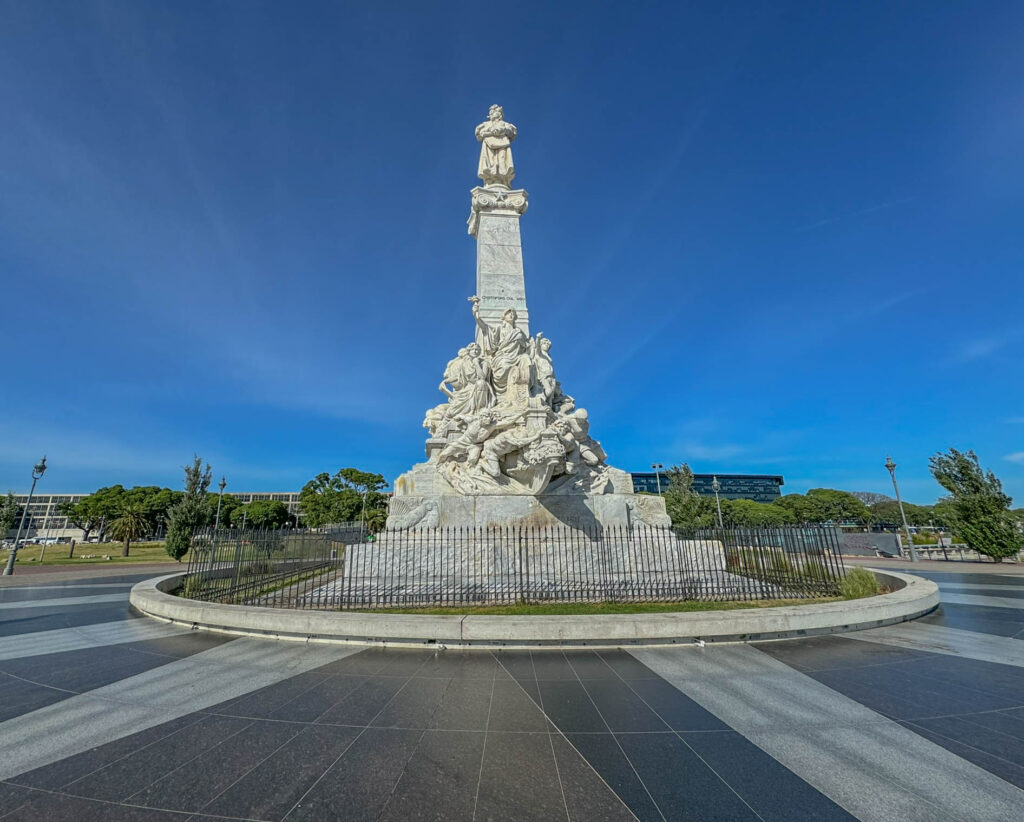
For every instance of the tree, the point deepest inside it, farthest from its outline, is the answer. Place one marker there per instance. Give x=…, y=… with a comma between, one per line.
x=888, y=513
x=686, y=508
x=131, y=523
x=820, y=505
x=9, y=511
x=95, y=511
x=347, y=496
x=261, y=513
x=191, y=512
x=746, y=513
x=978, y=509
x=228, y=504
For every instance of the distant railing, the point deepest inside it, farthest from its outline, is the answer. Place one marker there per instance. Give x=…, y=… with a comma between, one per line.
x=958, y=552
x=470, y=566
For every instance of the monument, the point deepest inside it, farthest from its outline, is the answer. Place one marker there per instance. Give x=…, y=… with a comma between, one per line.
x=509, y=446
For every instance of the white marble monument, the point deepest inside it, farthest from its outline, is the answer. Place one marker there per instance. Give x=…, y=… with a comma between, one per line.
x=509, y=446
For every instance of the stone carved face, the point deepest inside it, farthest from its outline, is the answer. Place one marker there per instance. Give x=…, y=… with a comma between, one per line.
x=510, y=316
x=545, y=344
x=495, y=113
x=473, y=349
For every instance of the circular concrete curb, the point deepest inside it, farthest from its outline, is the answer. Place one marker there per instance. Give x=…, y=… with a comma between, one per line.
x=914, y=597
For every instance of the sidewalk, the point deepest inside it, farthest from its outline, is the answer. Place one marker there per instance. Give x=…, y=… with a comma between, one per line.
x=48, y=574
x=947, y=566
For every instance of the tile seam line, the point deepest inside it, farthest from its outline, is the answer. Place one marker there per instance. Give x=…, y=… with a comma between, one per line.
x=940, y=813
x=186, y=815
x=687, y=744
x=568, y=741
x=487, y=727
x=973, y=747
x=191, y=759
x=423, y=733
x=348, y=747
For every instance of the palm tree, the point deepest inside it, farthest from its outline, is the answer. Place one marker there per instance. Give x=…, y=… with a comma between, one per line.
x=131, y=523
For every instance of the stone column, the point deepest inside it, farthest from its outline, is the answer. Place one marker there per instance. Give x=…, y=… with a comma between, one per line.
x=494, y=221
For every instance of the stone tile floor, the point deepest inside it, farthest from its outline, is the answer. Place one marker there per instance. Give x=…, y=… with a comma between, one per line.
x=105, y=715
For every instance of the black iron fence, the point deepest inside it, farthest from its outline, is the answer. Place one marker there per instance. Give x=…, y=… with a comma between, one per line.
x=470, y=566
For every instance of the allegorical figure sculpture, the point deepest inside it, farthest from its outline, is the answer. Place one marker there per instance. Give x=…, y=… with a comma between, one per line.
x=495, y=137
x=507, y=349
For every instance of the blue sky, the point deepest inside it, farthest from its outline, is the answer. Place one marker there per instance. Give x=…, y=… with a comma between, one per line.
x=768, y=238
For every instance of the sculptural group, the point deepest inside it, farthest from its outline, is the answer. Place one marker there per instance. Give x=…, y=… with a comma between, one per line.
x=507, y=427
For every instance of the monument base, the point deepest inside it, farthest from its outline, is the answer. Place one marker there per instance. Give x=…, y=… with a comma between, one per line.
x=424, y=500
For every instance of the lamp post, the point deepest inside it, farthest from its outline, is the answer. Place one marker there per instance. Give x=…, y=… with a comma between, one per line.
x=716, y=486
x=37, y=474
x=891, y=467
x=222, y=485
x=657, y=466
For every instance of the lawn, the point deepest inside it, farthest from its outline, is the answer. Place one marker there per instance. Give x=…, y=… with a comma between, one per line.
x=90, y=553
x=566, y=608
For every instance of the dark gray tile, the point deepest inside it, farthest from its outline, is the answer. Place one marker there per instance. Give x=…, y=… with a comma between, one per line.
x=518, y=663
x=588, y=798
x=273, y=787
x=361, y=705
x=832, y=653
x=402, y=663
x=605, y=756
x=552, y=665
x=771, y=789
x=195, y=783
x=621, y=708
x=987, y=740
x=512, y=710
x=263, y=703
x=459, y=665
x=627, y=666
x=364, y=663
x=682, y=786
x=12, y=796
x=20, y=697
x=569, y=707
x=590, y=665
x=357, y=787
x=439, y=783
x=65, y=771
x=519, y=780
x=318, y=700
x=465, y=705
x=1003, y=721
x=179, y=647
x=62, y=808
x=1012, y=772
x=674, y=707
x=414, y=706
x=134, y=772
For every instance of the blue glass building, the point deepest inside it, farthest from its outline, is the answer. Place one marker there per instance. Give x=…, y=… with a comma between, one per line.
x=757, y=487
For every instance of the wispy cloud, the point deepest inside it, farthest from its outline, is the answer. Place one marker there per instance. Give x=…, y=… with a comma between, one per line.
x=979, y=349
x=1016, y=456
x=859, y=213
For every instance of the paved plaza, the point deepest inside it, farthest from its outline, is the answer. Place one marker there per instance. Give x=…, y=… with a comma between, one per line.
x=106, y=715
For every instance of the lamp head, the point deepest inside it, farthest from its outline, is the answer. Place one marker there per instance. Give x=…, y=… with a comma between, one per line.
x=39, y=469
x=889, y=464
x=222, y=484
x=716, y=486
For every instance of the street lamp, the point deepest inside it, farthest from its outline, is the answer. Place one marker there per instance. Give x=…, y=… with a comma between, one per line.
x=891, y=466
x=37, y=474
x=716, y=486
x=657, y=466
x=222, y=485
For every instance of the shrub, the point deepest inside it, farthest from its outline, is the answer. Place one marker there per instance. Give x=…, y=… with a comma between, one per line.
x=859, y=582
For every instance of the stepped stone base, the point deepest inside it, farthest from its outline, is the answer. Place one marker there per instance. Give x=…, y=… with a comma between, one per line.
x=420, y=501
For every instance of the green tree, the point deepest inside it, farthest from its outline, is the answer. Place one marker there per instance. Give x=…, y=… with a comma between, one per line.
x=228, y=505
x=978, y=509
x=347, y=496
x=131, y=523
x=686, y=508
x=191, y=512
x=820, y=505
x=94, y=512
x=9, y=512
x=261, y=513
x=888, y=513
x=746, y=513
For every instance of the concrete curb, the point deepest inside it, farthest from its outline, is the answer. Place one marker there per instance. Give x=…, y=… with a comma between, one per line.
x=913, y=598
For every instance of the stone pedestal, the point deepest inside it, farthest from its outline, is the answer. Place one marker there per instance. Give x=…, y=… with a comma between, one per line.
x=500, y=282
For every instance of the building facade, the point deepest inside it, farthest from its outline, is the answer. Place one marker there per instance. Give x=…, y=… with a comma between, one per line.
x=756, y=487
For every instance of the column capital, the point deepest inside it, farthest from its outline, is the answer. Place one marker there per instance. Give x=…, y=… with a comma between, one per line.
x=495, y=200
